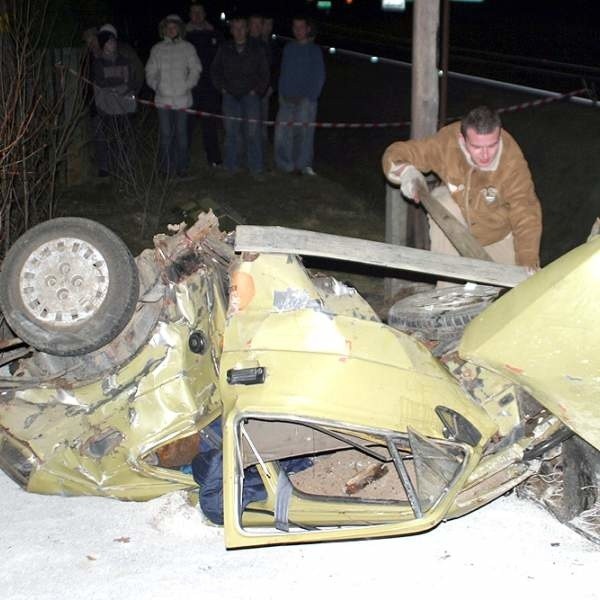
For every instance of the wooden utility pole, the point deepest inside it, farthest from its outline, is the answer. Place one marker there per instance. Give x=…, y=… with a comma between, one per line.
x=445, y=52
x=424, y=98
x=425, y=95
x=406, y=223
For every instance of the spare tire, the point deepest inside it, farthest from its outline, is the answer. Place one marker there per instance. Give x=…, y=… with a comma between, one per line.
x=68, y=286
x=442, y=312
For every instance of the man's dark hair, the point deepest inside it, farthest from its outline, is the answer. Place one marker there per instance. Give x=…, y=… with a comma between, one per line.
x=482, y=119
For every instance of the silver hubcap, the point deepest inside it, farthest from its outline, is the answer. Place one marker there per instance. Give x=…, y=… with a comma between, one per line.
x=64, y=281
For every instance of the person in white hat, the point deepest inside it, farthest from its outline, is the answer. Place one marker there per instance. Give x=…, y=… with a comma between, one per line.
x=172, y=70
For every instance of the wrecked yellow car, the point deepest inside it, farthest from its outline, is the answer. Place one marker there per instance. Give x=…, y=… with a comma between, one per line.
x=303, y=416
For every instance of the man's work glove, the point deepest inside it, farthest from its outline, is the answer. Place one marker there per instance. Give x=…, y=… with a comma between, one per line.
x=409, y=178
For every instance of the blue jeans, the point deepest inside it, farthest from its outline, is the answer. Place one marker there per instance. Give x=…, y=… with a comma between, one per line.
x=294, y=144
x=246, y=107
x=174, y=149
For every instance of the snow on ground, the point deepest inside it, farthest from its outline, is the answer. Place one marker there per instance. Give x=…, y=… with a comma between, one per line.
x=94, y=548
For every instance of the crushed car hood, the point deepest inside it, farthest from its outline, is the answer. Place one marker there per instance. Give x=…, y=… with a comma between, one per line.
x=544, y=335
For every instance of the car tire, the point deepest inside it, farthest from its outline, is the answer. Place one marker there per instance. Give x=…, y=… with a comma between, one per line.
x=442, y=312
x=68, y=286
x=581, y=477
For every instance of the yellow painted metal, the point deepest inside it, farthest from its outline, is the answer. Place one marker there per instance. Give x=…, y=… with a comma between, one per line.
x=330, y=361
x=346, y=521
x=543, y=335
x=96, y=439
x=328, y=366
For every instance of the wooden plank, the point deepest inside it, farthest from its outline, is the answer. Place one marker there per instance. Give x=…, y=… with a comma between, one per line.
x=282, y=240
x=460, y=237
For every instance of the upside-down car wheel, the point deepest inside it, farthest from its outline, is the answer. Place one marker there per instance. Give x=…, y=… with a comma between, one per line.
x=68, y=286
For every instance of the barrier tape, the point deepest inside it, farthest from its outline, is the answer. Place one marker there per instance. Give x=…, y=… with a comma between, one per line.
x=540, y=101
x=328, y=125
x=323, y=125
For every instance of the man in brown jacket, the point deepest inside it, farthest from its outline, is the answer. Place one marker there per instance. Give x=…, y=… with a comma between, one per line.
x=488, y=185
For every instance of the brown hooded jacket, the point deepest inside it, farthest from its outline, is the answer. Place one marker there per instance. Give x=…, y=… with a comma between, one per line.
x=494, y=201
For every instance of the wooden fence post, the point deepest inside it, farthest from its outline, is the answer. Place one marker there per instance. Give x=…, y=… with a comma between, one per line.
x=424, y=118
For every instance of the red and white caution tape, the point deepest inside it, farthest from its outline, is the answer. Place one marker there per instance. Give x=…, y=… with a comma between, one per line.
x=327, y=124
x=540, y=101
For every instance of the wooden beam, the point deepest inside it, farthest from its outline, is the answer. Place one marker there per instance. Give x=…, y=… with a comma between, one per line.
x=282, y=240
x=460, y=237
x=424, y=110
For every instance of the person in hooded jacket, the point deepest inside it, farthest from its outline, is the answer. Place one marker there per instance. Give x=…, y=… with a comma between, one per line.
x=172, y=71
x=487, y=185
x=114, y=101
x=126, y=50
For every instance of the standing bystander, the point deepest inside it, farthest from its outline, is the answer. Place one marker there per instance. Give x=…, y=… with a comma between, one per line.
x=273, y=50
x=206, y=40
x=241, y=72
x=300, y=84
x=127, y=51
x=173, y=69
x=114, y=100
x=255, y=27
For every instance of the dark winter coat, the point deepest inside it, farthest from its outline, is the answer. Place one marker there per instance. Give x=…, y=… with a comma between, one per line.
x=206, y=42
x=239, y=73
x=113, y=85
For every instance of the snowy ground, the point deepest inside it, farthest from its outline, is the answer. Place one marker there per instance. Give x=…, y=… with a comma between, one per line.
x=95, y=548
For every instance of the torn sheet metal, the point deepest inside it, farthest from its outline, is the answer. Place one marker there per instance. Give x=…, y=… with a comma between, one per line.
x=94, y=424
x=543, y=335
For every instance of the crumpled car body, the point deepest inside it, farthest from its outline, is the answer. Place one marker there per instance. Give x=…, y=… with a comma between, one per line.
x=102, y=423
x=298, y=365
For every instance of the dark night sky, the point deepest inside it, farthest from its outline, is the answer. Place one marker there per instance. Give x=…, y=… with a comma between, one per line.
x=553, y=29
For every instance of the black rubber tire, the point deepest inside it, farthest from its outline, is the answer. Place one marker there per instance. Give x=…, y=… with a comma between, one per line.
x=442, y=312
x=581, y=476
x=109, y=318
